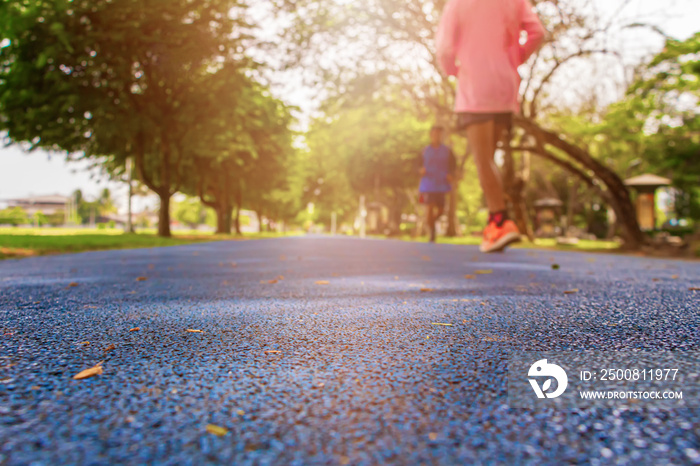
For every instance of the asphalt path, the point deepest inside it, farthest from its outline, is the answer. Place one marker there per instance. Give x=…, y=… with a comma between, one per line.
x=317, y=350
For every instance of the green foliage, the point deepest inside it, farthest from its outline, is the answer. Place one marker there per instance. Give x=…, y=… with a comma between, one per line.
x=193, y=213
x=660, y=119
x=369, y=148
x=13, y=216
x=86, y=210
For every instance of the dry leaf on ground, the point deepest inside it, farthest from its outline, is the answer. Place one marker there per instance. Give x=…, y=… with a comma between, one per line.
x=555, y=267
x=72, y=285
x=575, y=290
x=216, y=430
x=440, y=323
x=135, y=329
x=89, y=372
x=273, y=351
x=109, y=348
x=323, y=282
x=470, y=277
x=426, y=290
x=484, y=272
x=141, y=279
x=192, y=330
x=694, y=288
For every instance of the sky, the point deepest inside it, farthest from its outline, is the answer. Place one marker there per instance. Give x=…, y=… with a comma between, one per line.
x=40, y=173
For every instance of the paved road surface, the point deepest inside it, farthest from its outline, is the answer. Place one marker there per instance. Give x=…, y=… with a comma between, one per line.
x=349, y=372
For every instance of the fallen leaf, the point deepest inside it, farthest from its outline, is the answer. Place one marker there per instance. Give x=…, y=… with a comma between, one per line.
x=433, y=436
x=694, y=288
x=109, y=348
x=233, y=264
x=216, y=430
x=273, y=351
x=89, y=372
x=271, y=282
x=655, y=279
x=322, y=282
x=440, y=323
x=483, y=272
x=555, y=267
x=575, y=290
x=470, y=277
x=135, y=329
x=240, y=412
x=281, y=277
x=426, y=290
x=192, y=330
x=72, y=285
x=675, y=277
x=35, y=387
x=141, y=279
x=84, y=343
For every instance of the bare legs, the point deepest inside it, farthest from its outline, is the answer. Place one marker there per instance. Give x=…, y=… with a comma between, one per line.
x=434, y=212
x=482, y=138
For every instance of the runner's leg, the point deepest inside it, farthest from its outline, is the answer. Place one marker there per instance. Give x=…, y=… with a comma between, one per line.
x=430, y=219
x=482, y=137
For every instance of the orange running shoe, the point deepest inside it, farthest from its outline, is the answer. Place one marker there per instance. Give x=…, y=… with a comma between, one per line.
x=497, y=238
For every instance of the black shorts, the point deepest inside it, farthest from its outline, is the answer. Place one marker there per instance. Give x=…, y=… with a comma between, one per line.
x=436, y=199
x=465, y=119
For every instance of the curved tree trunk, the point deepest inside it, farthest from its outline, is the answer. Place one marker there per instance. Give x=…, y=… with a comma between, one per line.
x=616, y=191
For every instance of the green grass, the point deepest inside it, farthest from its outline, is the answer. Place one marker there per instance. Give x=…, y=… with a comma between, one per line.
x=25, y=242
x=540, y=243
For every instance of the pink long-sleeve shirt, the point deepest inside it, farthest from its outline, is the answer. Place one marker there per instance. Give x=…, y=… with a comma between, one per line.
x=479, y=42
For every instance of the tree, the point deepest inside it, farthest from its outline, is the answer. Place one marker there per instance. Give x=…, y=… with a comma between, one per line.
x=13, y=216
x=371, y=146
x=109, y=79
x=191, y=212
x=241, y=145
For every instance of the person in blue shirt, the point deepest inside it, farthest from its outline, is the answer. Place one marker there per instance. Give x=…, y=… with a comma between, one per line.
x=437, y=169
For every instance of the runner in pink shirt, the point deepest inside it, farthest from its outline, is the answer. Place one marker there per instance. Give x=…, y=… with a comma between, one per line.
x=479, y=42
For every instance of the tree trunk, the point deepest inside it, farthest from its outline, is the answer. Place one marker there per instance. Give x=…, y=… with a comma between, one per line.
x=164, y=214
x=617, y=193
x=258, y=215
x=237, y=221
x=224, y=215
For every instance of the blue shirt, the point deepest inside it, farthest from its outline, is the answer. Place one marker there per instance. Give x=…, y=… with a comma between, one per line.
x=438, y=163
